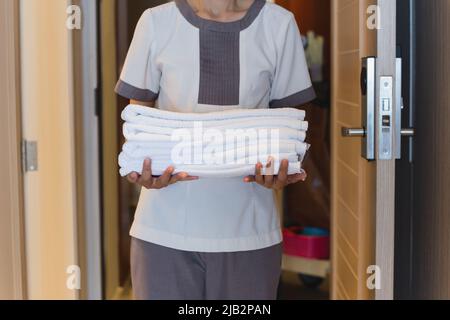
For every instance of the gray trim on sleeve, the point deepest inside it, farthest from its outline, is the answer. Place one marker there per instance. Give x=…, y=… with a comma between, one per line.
x=296, y=99
x=131, y=92
x=234, y=26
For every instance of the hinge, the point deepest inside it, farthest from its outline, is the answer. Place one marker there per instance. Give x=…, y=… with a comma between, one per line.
x=29, y=156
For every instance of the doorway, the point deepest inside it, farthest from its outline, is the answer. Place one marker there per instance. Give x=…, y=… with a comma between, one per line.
x=306, y=206
x=362, y=218
x=118, y=19
x=340, y=196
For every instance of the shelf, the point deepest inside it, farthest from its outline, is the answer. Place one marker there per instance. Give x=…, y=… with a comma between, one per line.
x=310, y=267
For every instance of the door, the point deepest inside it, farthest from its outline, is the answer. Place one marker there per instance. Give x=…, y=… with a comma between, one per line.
x=430, y=277
x=48, y=126
x=363, y=192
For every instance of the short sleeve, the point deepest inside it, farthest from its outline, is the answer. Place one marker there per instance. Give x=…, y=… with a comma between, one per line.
x=139, y=79
x=291, y=84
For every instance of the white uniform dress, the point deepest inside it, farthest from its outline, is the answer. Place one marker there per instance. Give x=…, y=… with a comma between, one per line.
x=189, y=64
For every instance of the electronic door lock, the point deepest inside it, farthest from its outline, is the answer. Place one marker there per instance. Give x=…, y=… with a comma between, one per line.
x=386, y=106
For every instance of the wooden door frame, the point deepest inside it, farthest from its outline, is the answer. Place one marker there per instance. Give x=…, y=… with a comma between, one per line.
x=12, y=217
x=85, y=84
x=385, y=169
x=122, y=44
x=109, y=148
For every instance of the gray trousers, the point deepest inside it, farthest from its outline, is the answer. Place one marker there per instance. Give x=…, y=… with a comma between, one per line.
x=160, y=273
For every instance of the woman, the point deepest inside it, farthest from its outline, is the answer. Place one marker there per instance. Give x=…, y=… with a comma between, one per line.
x=211, y=238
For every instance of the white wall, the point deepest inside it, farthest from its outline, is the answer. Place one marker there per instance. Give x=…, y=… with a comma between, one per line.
x=50, y=206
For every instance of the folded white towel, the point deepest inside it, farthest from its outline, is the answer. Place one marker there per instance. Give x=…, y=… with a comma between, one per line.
x=224, y=171
x=195, y=149
x=245, y=159
x=236, y=161
x=256, y=122
x=131, y=112
x=155, y=149
x=140, y=132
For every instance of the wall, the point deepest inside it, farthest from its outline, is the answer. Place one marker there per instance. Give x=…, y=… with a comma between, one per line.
x=313, y=15
x=431, y=221
x=47, y=109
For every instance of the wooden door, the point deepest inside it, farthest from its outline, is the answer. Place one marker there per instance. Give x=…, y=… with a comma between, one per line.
x=431, y=241
x=362, y=191
x=47, y=119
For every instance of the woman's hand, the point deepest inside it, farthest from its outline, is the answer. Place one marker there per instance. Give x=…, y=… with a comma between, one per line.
x=147, y=180
x=275, y=182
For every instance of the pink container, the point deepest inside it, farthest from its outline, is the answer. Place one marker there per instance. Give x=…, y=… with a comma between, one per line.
x=307, y=245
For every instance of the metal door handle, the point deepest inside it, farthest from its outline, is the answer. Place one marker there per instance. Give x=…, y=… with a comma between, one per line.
x=381, y=127
x=361, y=132
x=353, y=132
x=408, y=132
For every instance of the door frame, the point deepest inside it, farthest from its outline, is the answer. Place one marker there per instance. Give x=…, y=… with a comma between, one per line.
x=87, y=144
x=406, y=42
x=12, y=248
x=385, y=169
x=109, y=146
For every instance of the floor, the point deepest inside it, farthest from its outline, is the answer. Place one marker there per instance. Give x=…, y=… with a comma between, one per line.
x=291, y=288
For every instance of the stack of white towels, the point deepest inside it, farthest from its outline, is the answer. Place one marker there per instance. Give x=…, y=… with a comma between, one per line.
x=222, y=144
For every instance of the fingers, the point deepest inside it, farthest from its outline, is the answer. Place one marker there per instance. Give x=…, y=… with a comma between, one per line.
x=275, y=182
x=303, y=176
x=178, y=177
x=163, y=180
x=146, y=179
x=190, y=178
x=259, y=179
x=182, y=176
x=249, y=179
x=297, y=178
x=133, y=177
x=269, y=179
x=282, y=178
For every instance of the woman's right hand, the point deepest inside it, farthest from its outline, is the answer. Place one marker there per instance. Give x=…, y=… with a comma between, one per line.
x=148, y=181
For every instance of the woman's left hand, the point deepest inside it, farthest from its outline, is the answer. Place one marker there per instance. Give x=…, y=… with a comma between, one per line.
x=275, y=182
